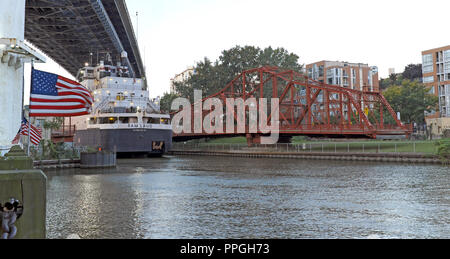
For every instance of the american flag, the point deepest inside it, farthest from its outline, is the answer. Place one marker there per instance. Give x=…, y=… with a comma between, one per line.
x=36, y=133
x=57, y=96
x=16, y=139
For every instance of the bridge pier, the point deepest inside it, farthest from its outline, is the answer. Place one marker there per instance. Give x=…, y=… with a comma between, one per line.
x=12, y=26
x=253, y=139
x=13, y=54
x=19, y=183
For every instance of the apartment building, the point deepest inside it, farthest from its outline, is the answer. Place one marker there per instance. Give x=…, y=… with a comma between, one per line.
x=391, y=71
x=436, y=74
x=350, y=75
x=181, y=77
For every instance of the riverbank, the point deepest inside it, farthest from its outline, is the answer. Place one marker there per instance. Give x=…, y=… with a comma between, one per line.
x=57, y=164
x=369, y=157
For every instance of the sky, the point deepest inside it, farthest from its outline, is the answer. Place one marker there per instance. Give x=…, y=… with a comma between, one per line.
x=176, y=34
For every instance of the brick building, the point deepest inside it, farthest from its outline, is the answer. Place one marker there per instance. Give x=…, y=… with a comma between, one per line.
x=181, y=77
x=351, y=75
x=436, y=74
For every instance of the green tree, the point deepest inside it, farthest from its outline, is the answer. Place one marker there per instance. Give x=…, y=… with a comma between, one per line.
x=211, y=77
x=394, y=79
x=166, y=102
x=411, y=99
x=413, y=72
x=444, y=150
x=55, y=124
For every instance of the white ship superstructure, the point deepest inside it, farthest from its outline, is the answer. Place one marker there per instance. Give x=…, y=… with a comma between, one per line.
x=123, y=118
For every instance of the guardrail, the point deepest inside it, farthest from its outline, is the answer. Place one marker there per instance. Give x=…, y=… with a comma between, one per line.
x=64, y=131
x=331, y=147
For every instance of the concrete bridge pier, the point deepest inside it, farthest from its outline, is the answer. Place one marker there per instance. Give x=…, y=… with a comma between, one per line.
x=19, y=183
x=13, y=54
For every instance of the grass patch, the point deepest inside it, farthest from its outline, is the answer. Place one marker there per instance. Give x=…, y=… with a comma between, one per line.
x=236, y=140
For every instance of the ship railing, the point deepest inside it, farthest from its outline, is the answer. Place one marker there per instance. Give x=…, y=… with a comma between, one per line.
x=102, y=104
x=64, y=131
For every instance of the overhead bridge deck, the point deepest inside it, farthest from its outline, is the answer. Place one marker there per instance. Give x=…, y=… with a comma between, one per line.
x=70, y=31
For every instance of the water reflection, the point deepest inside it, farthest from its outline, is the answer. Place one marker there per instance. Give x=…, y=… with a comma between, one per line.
x=209, y=197
x=94, y=206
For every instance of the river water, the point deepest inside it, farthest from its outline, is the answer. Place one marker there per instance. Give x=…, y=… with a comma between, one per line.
x=240, y=198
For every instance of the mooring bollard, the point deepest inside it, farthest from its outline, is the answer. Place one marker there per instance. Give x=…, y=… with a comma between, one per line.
x=29, y=189
x=9, y=214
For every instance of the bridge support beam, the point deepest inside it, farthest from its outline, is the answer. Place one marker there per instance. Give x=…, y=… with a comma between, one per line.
x=253, y=139
x=13, y=53
x=12, y=26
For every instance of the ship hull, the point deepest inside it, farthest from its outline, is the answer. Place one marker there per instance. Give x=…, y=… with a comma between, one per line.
x=153, y=142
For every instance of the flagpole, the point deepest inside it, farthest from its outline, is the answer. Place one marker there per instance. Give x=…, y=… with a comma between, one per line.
x=29, y=111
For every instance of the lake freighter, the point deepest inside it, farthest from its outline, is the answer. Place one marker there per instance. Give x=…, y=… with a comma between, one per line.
x=123, y=118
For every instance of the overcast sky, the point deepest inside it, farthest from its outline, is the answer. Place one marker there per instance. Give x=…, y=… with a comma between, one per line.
x=175, y=34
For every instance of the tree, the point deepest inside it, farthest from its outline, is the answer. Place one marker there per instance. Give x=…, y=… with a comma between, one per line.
x=166, y=102
x=394, y=79
x=413, y=72
x=55, y=124
x=411, y=99
x=211, y=77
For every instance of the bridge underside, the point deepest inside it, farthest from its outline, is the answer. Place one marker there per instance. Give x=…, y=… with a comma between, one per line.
x=68, y=31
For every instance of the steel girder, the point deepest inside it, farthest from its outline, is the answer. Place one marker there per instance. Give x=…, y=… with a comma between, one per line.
x=68, y=31
x=307, y=107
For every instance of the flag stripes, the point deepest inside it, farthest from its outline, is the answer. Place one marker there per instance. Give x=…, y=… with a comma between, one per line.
x=35, y=133
x=57, y=96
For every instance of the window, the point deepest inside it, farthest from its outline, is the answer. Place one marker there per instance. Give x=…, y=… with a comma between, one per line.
x=447, y=55
x=310, y=72
x=165, y=121
x=428, y=79
x=428, y=64
x=104, y=74
x=428, y=59
x=432, y=90
x=153, y=121
x=370, y=78
x=338, y=76
x=353, y=77
x=314, y=72
x=124, y=120
x=346, y=81
x=111, y=120
x=447, y=61
x=345, y=74
x=331, y=76
x=320, y=71
x=120, y=97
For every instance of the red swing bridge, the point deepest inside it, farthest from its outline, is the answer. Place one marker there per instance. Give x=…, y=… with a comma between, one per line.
x=306, y=108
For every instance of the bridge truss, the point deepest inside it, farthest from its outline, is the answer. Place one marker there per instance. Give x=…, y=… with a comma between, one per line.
x=307, y=107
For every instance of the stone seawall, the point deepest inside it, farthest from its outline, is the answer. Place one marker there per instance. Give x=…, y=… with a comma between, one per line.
x=57, y=164
x=29, y=187
x=369, y=157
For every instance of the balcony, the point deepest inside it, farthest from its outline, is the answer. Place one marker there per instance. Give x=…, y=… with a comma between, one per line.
x=64, y=134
